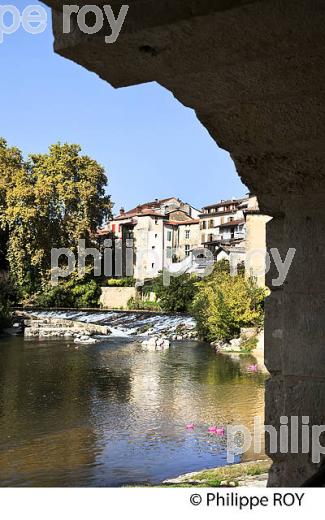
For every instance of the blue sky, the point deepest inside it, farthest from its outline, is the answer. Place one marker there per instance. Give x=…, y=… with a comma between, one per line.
x=150, y=145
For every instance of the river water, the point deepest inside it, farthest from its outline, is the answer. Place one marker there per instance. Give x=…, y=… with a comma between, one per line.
x=111, y=414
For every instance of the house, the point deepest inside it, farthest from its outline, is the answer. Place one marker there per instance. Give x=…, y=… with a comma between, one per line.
x=223, y=223
x=154, y=235
x=223, y=229
x=236, y=230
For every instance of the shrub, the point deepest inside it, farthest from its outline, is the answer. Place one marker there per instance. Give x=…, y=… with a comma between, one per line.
x=225, y=303
x=121, y=282
x=249, y=344
x=73, y=293
x=144, y=305
x=178, y=296
x=86, y=295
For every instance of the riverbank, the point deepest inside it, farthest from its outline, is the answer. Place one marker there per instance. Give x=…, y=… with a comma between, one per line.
x=246, y=474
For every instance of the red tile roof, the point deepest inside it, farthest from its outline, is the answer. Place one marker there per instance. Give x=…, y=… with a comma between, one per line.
x=138, y=212
x=225, y=203
x=143, y=209
x=182, y=222
x=102, y=232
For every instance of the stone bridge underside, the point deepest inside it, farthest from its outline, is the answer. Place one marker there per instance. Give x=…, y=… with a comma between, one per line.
x=253, y=71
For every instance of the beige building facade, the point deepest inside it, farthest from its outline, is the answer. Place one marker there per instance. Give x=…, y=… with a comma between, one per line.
x=156, y=234
x=222, y=222
x=223, y=230
x=255, y=256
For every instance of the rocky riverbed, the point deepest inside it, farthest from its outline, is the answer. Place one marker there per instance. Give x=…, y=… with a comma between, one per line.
x=171, y=327
x=154, y=331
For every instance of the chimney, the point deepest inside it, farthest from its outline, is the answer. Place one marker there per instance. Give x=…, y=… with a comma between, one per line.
x=122, y=211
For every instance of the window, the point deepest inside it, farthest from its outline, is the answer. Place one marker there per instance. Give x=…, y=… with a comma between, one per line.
x=211, y=223
x=153, y=247
x=169, y=252
x=153, y=265
x=187, y=250
x=156, y=221
x=156, y=236
x=204, y=224
x=169, y=236
x=187, y=233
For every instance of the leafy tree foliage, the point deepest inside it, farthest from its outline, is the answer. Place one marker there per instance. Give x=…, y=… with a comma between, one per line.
x=178, y=296
x=225, y=303
x=73, y=293
x=143, y=305
x=129, y=281
x=11, y=166
x=50, y=201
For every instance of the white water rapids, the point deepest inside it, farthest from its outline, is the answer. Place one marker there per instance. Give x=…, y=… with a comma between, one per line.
x=124, y=324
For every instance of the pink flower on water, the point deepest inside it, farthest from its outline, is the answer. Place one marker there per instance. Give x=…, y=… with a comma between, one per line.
x=252, y=368
x=216, y=430
x=190, y=426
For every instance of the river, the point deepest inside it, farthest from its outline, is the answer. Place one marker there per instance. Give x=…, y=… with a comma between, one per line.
x=111, y=414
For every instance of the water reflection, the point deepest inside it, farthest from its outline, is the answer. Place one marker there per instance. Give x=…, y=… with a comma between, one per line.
x=110, y=414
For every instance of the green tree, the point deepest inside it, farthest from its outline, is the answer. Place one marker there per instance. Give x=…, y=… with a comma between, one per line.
x=50, y=201
x=178, y=295
x=225, y=303
x=11, y=166
x=76, y=292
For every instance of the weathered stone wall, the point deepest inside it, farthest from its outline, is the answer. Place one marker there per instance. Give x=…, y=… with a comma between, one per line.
x=116, y=297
